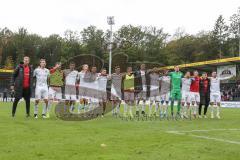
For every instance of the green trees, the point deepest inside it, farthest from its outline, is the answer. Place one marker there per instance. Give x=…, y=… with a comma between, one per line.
x=9, y=64
x=138, y=43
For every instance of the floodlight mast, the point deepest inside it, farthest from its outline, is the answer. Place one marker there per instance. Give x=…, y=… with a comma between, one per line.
x=110, y=21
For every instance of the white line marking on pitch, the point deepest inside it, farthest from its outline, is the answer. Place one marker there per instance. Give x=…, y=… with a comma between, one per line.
x=206, y=137
x=232, y=129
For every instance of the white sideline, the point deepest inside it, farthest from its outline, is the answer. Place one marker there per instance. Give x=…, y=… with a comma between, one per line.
x=206, y=137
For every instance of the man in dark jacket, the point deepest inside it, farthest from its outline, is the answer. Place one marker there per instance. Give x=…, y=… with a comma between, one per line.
x=22, y=84
x=204, y=89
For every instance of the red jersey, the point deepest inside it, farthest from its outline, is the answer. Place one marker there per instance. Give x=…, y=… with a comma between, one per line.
x=26, y=79
x=195, y=84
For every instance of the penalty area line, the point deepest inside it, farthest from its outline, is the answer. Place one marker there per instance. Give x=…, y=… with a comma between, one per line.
x=206, y=137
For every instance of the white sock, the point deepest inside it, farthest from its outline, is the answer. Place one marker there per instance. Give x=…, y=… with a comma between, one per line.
x=49, y=105
x=156, y=106
x=84, y=107
x=72, y=107
x=212, y=109
x=130, y=109
x=90, y=106
x=161, y=108
x=125, y=108
x=44, y=111
x=79, y=107
x=184, y=109
x=117, y=107
x=218, y=110
x=137, y=105
x=113, y=108
x=150, y=108
x=36, y=109
x=166, y=108
x=187, y=109
x=143, y=106
x=195, y=109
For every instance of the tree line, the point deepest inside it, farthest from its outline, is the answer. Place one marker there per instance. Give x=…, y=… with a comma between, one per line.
x=139, y=43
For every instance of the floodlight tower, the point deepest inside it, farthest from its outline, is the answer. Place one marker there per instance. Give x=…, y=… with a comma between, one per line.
x=110, y=21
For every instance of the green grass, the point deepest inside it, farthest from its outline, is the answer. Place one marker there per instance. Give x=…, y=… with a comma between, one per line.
x=28, y=139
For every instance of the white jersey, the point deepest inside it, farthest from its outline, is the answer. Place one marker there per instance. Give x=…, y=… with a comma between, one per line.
x=84, y=78
x=154, y=81
x=186, y=83
x=102, y=83
x=116, y=84
x=70, y=77
x=165, y=85
x=215, y=85
x=143, y=77
x=81, y=78
x=41, y=75
x=93, y=84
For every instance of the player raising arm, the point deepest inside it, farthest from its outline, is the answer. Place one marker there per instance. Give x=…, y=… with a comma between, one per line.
x=55, y=85
x=215, y=94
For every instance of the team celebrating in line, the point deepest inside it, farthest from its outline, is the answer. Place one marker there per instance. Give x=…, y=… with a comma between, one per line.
x=88, y=89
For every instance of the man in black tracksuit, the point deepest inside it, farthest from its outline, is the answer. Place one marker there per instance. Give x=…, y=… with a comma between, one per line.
x=22, y=84
x=204, y=89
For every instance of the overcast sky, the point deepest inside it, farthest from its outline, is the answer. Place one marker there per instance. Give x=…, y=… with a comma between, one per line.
x=46, y=17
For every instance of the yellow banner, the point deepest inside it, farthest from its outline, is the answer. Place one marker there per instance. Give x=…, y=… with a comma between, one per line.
x=6, y=71
x=233, y=59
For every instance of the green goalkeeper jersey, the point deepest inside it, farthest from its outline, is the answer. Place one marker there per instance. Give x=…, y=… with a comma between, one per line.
x=176, y=80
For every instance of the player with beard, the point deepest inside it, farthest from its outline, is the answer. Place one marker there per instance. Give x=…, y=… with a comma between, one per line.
x=116, y=92
x=70, y=77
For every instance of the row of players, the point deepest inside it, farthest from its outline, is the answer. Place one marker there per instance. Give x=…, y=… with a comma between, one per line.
x=130, y=87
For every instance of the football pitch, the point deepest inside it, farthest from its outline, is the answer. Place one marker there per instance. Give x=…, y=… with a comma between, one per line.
x=111, y=138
